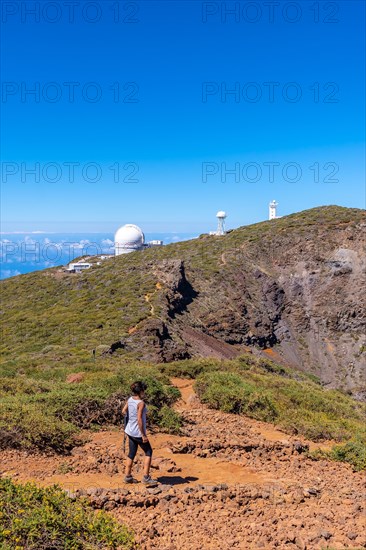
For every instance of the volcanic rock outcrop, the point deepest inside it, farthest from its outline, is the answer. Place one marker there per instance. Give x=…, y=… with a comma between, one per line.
x=295, y=292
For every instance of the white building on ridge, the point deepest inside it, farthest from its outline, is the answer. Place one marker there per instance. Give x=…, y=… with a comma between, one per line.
x=78, y=267
x=130, y=238
x=273, y=210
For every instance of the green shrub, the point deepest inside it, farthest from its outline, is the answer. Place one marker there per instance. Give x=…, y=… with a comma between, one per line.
x=353, y=452
x=271, y=367
x=222, y=390
x=260, y=406
x=231, y=393
x=318, y=424
x=49, y=415
x=24, y=425
x=169, y=420
x=80, y=404
x=22, y=385
x=160, y=394
x=294, y=401
x=32, y=518
x=190, y=368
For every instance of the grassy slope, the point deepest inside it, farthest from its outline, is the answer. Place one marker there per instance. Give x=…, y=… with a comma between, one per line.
x=50, y=325
x=80, y=312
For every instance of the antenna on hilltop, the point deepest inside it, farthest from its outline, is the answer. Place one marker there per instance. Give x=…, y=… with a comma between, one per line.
x=221, y=217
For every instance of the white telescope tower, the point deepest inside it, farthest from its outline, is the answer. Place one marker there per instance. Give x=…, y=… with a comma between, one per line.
x=221, y=217
x=273, y=210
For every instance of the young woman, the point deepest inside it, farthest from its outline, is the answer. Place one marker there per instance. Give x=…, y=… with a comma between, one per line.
x=136, y=432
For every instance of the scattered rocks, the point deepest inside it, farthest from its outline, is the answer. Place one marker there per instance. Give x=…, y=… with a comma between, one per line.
x=110, y=505
x=311, y=491
x=154, y=491
x=304, y=505
x=94, y=491
x=193, y=401
x=165, y=465
x=325, y=534
x=300, y=447
x=75, y=378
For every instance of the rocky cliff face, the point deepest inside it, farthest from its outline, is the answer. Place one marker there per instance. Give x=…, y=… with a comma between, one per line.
x=296, y=294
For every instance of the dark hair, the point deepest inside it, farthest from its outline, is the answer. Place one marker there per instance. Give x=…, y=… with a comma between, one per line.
x=138, y=387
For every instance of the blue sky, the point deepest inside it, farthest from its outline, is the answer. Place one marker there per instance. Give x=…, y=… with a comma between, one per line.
x=172, y=130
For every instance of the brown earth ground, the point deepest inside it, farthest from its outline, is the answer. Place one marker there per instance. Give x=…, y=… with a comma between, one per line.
x=227, y=482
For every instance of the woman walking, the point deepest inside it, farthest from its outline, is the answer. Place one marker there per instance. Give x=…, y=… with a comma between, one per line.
x=135, y=429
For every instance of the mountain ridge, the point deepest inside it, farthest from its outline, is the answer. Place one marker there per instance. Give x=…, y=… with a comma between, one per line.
x=290, y=288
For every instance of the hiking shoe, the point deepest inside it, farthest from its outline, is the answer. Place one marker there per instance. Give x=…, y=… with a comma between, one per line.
x=149, y=482
x=130, y=479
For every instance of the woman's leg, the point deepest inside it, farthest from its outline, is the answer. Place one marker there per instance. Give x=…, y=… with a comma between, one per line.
x=129, y=463
x=132, y=450
x=147, y=465
x=146, y=447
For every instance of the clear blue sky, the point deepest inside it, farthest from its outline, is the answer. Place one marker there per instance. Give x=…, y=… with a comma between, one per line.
x=170, y=123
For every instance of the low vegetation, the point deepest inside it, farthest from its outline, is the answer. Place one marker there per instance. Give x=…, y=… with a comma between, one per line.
x=47, y=413
x=353, y=452
x=296, y=402
x=41, y=410
x=34, y=518
x=169, y=420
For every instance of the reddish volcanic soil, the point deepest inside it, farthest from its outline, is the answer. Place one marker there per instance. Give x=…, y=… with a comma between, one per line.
x=227, y=482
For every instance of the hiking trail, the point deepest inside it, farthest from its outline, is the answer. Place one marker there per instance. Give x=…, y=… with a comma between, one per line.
x=232, y=481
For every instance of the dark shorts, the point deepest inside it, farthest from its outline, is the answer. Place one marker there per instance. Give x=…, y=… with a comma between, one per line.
x=134, y=443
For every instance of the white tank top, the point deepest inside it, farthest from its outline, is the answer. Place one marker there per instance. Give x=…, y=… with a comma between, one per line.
x=132, y=427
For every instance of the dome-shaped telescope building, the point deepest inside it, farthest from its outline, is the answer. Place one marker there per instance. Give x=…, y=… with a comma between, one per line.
x=130, y=238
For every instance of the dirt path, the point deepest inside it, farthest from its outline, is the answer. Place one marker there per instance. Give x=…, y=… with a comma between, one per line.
x=264, y=429
x=152, y=309
x=227, y=482
x=148, y=297
x=192, y=469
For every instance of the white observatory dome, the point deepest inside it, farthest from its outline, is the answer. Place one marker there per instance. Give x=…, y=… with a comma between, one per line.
x=128, y=238
x=221, y=214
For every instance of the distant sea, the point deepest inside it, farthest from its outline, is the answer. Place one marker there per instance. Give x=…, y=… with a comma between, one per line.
x=25, y=252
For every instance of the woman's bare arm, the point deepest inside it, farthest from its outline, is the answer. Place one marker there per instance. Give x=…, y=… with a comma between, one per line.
x=125, y=409
x=140, y=409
